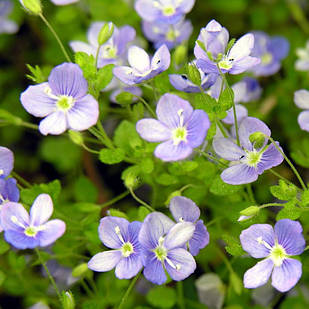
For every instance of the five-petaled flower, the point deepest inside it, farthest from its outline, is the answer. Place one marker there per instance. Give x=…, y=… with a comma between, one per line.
x=276, y=246
x=122, y=236
x=179, y=128
x=252, y=157
x=27, y=232
x=141, y=68
x=63, y=100
x=163, y=244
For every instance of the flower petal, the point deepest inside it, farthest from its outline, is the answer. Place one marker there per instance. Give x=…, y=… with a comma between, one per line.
x=303, y=120
x=179, y=234
x=182, y=83
x=153, y=130
x=200, y=238
x=14, y=217
x=19, y=240
x=184, y=209
x=55, y=123
x=41, y=210
x=239, y=174
x=84, y=114
x=184, y=262
x=197, y=127
x=128, y=267
x=244, y=64
x=251, y=125
x=270, y=158
x=301, y=98
x=287, y=275
x=36, y=102
x=279, y=47
x=78, y=46
x=53, y=230
x=227, y=149
x=155, y=226
x=258, y=240
x=108, y=231
x=154, y=271
x=169, y=107
x=6, y=161
x=67, y=79
x=147, y=10
x=138, y=59
x=259, y=274
x=242, y=47
x=161, y=59
x=105, y=261
x=125, y=35
x=133, y=232
x=167, y=151
x=290, y=237
x=126, y=75
x=9, y=190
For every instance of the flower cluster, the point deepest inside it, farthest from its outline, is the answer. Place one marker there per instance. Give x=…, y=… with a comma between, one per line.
x=164, y=21
x=158, y=244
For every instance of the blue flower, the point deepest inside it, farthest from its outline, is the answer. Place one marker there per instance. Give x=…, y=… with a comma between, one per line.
x=6, y=162
x=122, y=236
x=6, y=26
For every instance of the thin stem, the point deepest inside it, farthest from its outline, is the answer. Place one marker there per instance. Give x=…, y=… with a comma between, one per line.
x=86, y=288
x=210, y=157
x=89, y=149
x=108, y=141
x=56, y=37
x=250, y=193
x=97, y=56
x=281, y=177
x=128, y=291
x=225, y=260
x=147, y=106
x=29, y=125
x=154, y=90
x=141, y=201
x=181, y=301
x=307, y=248
x=93, y=285
x=271, y=205
x=289, y=162
x=115, y=199
x=23, y=181
x=97, y=134
x=48, y=274
x=221, y=127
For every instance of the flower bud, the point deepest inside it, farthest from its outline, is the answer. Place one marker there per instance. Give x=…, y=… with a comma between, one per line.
x=80, y=270
x=180, y=55
x=68, y=300
x=32, y=6
x=257, y=139
x=250, y=211
x=76, y=137
x=105, y=33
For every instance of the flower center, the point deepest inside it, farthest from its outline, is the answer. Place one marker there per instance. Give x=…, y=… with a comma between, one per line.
x=179, y=135
x=1, y=172
x=225, y=64
x=171, y=35
x=127, y=249
x=278, y=254
x=109, y=51
x=30, y=231
x=266, y=58
x=253, y=158
x=64, y=102
x=168, y=11
x=161, y=253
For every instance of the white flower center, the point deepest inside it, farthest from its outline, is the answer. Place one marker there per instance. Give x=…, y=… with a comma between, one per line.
x=109, y=51
x=253, y=158
x=278, y=254
x=180, y=133
x=225, y=63
x=63, y=102
x=127, y=249
x=266, y=58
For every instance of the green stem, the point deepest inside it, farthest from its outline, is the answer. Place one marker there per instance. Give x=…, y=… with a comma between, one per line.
x=271, y=205
x=97, y=134
x=56, y=37
x=154, y=90
x=141, y=201
x=48, y=274
x=250, y=193
x=225, y=260
x=127, y=293
x=221, y=127
x=181, y=301
x=289, y=162
x=115, y=199
x=108, y=141
x=307, y=248
x=97, y=56
x=29, y=125
x=147, y=106
x=23, y=181
x=210, y=157
x=283, y=178
x=86, y=288
x=89, y=149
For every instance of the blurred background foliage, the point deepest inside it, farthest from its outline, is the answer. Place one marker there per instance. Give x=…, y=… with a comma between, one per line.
x=85, y=184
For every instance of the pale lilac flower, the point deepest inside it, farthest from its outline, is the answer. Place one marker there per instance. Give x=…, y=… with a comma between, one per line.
x=252, y=158
x=162, y=244
x=166, y=11
x=6, y=25
x=185, y=210
x=215, y=59
x=6, y=162
x=63, y=2
x=63, y=101
x=141, y=67
x=301, y=99
x=302, y=63
x=27, y=232
x=276, y=246
x=121, y=236
x=179, y=128
x=247, y=90
x=114, y=51
x=271, y=50
x=171, y=35
x=181, y=82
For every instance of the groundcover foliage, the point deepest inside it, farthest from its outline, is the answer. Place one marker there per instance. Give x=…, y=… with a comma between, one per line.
x=154, y=154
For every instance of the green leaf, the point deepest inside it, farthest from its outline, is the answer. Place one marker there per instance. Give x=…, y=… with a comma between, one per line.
x=284, y=191
x=300, y=153
x=305, y=198
x=104, y=77
x=142, y=213
x=194, y=74
x=230, y=44
x=219, y=187
x=290, y=211
x=2, y=277
x=117, y=213
x=85, y=207
x=87, y=64
x=37, y=74
x=85, y=190
x=233, y=245
x=161, y=297
x=131, y=176
x=147, y=165
x=124, y=97
x=166, y=179
x=4, y=246
x=52, y=188
x=226, y=99
x=111, y=156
